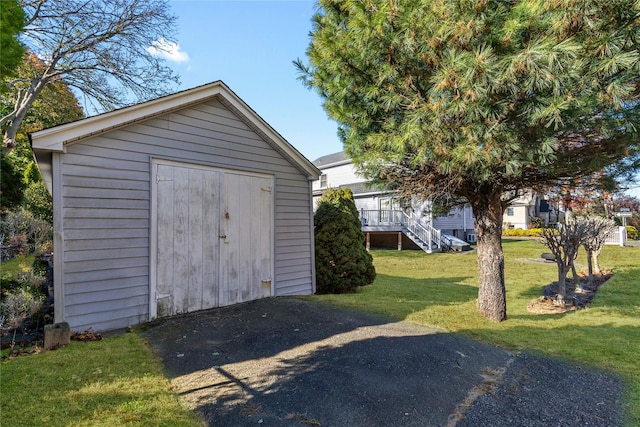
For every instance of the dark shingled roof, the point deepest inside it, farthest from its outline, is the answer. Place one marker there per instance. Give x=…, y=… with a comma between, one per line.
x=330, y=159
x=357, y=188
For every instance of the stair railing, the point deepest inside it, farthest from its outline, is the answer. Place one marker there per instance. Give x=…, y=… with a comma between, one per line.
x=421, y=229
x=425, y=231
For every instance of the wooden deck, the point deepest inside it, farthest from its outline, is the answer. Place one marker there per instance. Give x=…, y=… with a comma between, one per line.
x=416, y=229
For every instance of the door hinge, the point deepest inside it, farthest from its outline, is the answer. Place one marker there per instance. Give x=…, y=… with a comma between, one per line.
x=162, y=178
x=267, y=189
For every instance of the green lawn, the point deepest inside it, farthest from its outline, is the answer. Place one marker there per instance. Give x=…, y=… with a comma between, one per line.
x=113, y=382
x=440, y=290
x=118, y=381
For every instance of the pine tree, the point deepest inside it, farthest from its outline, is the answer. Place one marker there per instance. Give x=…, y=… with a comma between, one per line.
x=480, y=100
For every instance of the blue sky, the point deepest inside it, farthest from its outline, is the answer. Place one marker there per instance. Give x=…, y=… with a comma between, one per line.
x=250, y=45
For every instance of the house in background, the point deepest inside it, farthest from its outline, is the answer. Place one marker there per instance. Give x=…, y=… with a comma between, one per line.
x=519, y=214
x=179, y=204
x=529, y=206
x=389, y=222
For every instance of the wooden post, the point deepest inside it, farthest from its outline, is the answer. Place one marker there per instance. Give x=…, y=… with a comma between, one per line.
x=399, y=240
x=368, y=240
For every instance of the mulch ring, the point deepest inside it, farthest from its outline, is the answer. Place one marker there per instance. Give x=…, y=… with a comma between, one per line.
x=547, y=303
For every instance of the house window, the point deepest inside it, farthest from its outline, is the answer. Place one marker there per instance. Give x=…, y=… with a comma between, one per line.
x=323, y=180
x=389, y=210
x=509, y=211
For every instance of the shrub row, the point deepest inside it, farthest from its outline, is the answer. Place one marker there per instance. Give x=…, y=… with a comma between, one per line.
x=518, y=232
x=632, y=232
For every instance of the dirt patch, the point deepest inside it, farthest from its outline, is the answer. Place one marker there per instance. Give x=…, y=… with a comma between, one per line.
x=575, y=298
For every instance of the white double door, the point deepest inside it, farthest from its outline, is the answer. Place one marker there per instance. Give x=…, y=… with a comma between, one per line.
x=212, y=237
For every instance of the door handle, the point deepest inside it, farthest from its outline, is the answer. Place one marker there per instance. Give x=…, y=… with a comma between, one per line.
x=223, y=236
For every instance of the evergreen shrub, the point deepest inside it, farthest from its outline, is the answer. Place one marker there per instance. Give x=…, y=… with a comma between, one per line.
x=342, y=260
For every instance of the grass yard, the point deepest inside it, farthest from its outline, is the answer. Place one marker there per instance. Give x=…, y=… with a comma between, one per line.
x=118, y=381
x=440, y=290
x=113, y=382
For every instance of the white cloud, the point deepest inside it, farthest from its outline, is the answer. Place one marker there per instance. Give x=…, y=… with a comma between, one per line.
x=168, y=50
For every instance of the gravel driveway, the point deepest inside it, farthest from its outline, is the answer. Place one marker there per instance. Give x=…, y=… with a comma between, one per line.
x=289, y=362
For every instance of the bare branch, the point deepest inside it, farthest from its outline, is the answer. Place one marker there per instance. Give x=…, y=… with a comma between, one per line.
x=98, y=47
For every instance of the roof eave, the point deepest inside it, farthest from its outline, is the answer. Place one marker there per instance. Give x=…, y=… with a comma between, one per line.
x=57, y=138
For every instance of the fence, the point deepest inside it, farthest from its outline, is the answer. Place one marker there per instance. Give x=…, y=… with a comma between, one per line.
x=617, y=237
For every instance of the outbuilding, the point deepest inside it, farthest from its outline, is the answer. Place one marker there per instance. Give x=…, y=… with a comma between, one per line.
x=183, y=203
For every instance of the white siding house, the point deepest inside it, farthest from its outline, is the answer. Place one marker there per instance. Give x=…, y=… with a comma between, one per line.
x=521, y=211
x=385, y=218
x=178, y=204
x=338, y=171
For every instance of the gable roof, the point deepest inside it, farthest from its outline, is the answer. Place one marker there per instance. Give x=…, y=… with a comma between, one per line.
x=334, y=159
x=57, y=138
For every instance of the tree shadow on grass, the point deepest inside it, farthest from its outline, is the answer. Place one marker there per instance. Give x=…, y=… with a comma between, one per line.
x=400, y=296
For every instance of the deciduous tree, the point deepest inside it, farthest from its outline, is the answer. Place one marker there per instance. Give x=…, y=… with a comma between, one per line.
x=100, y=48
x=12, y=22
x=564, y=242
x=479, y=100
x=598, y=228
x=55, y=105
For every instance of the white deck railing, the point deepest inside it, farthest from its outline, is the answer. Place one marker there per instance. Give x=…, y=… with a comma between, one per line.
x=374, y=218
x=422, y=230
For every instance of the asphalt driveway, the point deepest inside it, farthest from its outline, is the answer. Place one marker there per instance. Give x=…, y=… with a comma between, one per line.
x=289, y=362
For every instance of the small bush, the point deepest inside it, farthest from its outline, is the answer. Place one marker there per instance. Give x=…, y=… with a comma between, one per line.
x=25, y=232
x=11, y=185
x=10, y=272
x=536, y=223
x=342, y=260
x=22, y=296
x=632, y=232
x=8, y=284
x=17, y=305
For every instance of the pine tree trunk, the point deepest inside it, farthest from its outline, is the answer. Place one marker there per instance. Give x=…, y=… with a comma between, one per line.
x=492, y=301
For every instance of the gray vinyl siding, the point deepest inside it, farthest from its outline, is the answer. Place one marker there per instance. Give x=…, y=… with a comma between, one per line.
x=456, y=219
x=106, y=209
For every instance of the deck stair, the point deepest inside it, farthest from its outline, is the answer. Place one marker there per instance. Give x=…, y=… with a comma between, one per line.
x=416, y=228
